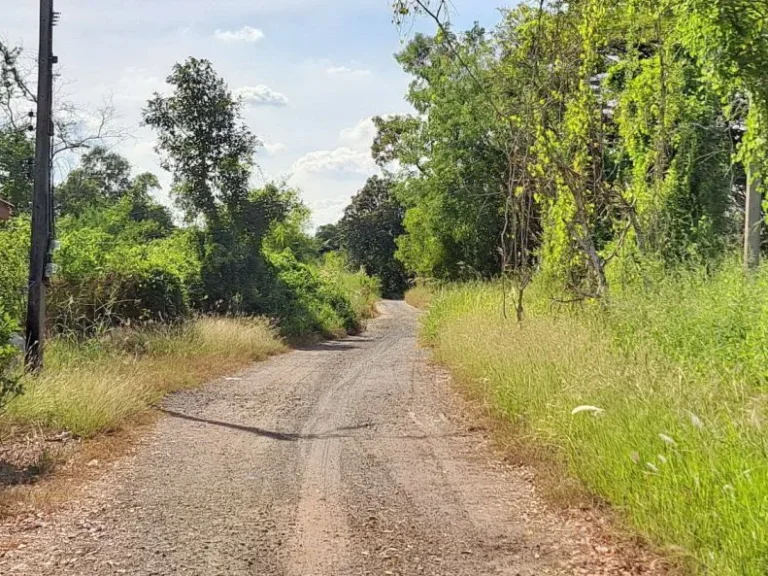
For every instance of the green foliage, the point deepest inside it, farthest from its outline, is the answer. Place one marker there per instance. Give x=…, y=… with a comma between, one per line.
x=308, y=299
x=453, y=166
x=679, y=445
x=14, y=265
x=328, y=238
x=629, y=123
x=202, y=141
x=368, y=233
x=16, y=160
x=101, y=179
x=9, y=383
x=123, y=262
x=114, y=278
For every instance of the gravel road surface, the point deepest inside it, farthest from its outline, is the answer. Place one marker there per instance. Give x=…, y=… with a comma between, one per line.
x=348, y=458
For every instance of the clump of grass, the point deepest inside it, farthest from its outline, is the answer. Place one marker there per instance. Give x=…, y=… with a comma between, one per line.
x=420, y=296
x=99, y=385
x=656, y=403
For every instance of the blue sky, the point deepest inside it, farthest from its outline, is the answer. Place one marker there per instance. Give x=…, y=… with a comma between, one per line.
x=312, y=72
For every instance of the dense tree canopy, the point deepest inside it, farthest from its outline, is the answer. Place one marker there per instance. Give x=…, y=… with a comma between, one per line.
x=587, y=141
x=368, y=232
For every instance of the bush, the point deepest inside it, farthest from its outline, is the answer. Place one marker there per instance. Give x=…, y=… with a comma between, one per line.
x=116, y=298
x=308, y=299
x=9, y=383
x=106, y=282
x=14, y=265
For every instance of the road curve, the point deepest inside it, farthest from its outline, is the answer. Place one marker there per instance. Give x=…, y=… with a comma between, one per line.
x=347, y=458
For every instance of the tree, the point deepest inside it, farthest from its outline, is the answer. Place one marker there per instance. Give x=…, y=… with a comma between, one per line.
x=328, y=238
x=371, y=225
x=16, y=154
x=102, y=178
x=578, y=136
x=453, y=167
x=202, y=140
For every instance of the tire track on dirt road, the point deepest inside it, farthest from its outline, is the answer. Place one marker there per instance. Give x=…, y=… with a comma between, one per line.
x=347, y=458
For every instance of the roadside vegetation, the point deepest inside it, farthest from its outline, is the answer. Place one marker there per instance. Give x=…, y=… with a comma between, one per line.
x=573, y=185
x=101, y=384
x=148, y=300
x=655, y=403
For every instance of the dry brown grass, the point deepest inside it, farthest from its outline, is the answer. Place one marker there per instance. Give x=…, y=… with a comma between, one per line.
x=102, y=391
x=419, y=296
x=92, y=389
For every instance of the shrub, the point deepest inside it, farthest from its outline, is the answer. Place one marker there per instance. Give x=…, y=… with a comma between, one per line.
x=106, y=282
x=308, y=299
x=9, y=383
x=14, y=265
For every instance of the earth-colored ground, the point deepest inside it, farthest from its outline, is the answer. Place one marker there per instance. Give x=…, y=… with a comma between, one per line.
x=348, y=458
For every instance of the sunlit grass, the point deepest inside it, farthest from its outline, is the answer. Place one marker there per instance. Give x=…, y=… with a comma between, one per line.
x=97, y=386
x=419, y=296
x=657, y=403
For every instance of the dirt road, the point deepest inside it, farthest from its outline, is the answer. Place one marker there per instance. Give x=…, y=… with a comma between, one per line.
x=348, y=458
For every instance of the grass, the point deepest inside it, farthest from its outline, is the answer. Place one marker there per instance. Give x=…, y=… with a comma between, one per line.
x=657, y=403
x=100, y=385
x=419, y=296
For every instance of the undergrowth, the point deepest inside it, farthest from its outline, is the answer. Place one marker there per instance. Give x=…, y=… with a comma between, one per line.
x=655, y=401
x=100, y=384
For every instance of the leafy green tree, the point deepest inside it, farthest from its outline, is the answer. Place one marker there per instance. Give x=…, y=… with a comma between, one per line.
x=203, y=142
x=16, y=158
x=289, y=221
x=453, y=167
x=101, y=179
x=328, y=238
x=369, y=229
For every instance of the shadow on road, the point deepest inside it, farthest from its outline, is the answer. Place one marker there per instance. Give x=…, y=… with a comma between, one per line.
x=331, y=345
x=342, y=432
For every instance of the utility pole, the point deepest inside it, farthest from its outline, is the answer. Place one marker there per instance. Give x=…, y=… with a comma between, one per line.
x=753, y=219
x=41, y=206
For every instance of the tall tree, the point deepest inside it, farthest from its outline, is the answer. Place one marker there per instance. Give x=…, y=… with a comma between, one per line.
x=203, y=141
x=454, y=168
x=369, y=230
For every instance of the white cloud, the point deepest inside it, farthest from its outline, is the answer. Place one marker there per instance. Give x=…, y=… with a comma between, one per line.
x=138, y=85
x=341, y=160
x=338, y=70
x=261, y=96
x=245, y=34
x=274, y=148
x=360, y=136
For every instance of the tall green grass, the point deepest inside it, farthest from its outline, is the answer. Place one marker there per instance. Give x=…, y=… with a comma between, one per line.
x=657, y=402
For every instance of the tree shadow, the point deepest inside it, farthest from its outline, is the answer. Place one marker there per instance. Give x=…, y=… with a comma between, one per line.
x=349, y=343
x=341, y=432
x=280, y=436
x=15, y=475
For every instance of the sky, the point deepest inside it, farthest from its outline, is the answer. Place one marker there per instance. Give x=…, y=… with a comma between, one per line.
x=312, y=74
